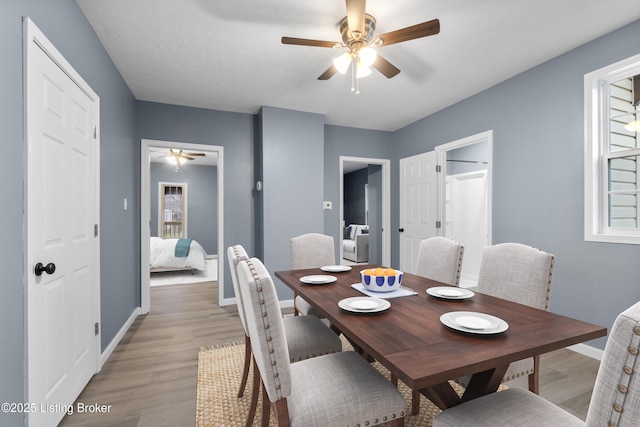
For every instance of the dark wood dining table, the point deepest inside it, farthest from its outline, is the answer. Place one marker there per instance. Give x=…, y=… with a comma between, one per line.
x=412, y=343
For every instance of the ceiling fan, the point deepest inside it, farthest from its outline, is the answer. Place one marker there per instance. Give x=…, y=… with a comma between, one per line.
x=178, y=155
x=357, y=30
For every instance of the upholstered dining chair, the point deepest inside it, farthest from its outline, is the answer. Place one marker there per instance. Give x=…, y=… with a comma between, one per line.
x=306, y=336
x=440, y=258
x=337, y=389
x=311, y=250
x=522, y=274
x=615, y=400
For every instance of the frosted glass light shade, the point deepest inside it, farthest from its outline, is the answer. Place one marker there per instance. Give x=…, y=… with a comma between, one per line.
x=342, y=62
x=362, y=71
x=367, y=56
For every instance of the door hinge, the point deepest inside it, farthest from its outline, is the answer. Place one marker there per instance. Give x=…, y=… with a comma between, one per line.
x=438, y=168
x=95, y=230
x=97, y=328
x=438, y=224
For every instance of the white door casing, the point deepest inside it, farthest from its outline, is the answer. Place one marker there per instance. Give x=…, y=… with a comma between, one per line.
x=418, y=205
x=386, y=203
x=145, y=214
x=63, y=306
x=477, y=210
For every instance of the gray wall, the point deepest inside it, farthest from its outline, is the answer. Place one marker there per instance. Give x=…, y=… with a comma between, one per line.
x=66, y=27
x=292, y=167
x=353, y=142
x=353, y=194
x=202, y=200
x=538, y=190
x=234, y=132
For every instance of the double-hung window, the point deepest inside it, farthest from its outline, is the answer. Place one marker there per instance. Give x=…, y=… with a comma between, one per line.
x=612, y=153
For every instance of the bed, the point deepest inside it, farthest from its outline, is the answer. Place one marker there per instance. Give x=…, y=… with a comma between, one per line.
x=162, y=256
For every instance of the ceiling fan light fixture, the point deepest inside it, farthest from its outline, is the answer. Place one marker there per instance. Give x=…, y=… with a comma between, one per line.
x=367, y=56
x=342, y=62
x=362, y=70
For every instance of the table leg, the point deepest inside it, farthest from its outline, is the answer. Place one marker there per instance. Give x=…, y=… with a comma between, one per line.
x=444, y=396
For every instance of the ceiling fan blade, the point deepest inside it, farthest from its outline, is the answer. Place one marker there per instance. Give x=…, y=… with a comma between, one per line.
x=329, y=73
x=184, y=156
x=385, y=67
x=355, y=15
x=417, y=31
x=195, y=154
x=307, y=42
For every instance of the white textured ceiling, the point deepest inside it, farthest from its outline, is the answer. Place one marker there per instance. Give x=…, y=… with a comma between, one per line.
x=226, y=54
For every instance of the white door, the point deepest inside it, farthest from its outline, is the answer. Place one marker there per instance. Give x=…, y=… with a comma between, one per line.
x=61, y=212
x=418, y=205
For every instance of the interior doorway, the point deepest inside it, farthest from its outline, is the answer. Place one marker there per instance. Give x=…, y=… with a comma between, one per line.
x=378, y=195
x=148, y=150
x=465, y=198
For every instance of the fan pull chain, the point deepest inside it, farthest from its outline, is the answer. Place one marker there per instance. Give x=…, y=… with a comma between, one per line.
x=354, y=80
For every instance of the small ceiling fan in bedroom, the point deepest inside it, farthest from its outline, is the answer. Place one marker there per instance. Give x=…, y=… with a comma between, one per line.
x=176, y=156
x=357, y=30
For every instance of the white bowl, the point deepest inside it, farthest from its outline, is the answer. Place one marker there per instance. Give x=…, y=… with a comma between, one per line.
x=375, y=283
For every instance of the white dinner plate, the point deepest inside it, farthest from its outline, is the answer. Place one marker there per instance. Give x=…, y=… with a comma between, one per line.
x=364, y=304
x=318, y=279
x=450, y=292
x=335, y=268
x=473, y=322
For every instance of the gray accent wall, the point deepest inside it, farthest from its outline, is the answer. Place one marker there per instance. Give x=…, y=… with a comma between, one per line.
x=354, y=196
x=292, y=168
x=351, y=142
x=202, y=200
x=538, y=183
x=233, y=131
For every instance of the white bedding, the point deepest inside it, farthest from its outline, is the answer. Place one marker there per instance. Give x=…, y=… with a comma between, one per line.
x=163, y=255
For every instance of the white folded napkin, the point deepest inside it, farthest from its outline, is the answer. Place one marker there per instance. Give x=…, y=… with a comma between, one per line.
x=400, y=292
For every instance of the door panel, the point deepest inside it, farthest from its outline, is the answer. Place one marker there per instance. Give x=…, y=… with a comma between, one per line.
x=61, y=213
x=418, y=205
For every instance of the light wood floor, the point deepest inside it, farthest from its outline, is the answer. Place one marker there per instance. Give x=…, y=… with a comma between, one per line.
x=150, y=379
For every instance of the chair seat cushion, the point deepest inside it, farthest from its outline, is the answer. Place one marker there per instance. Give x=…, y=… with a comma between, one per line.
x=341, y=389
x=511, y=407
x=308, y=336
x=305, y=308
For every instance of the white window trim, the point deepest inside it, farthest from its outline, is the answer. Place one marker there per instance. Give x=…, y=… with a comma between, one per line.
x=596, y=128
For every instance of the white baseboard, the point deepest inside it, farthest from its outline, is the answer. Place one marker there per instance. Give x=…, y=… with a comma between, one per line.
x=227, y=301
x=114, y=342
x=587, y=350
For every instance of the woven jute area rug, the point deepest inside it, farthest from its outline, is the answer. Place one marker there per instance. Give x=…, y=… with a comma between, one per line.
x=219, y=375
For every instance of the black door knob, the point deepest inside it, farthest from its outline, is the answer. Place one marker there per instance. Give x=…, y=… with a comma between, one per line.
x=401, y=230
x=41, y=268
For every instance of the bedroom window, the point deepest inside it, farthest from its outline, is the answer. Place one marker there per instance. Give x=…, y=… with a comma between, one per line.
x=173, y=210
x=612, y=153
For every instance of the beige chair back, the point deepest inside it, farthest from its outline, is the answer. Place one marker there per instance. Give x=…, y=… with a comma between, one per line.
x=518, y=273
x=235, y=254
x=266, y=328
x=440, y=258
x=311, y=250
x=616, y=395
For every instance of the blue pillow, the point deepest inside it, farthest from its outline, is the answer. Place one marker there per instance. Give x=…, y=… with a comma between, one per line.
x=347, y=233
